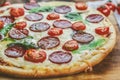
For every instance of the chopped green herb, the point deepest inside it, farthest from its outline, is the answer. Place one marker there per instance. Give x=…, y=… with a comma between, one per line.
x=41, y=9
x=91, y=46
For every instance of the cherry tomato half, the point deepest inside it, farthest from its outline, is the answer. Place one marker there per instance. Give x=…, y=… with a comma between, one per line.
x=33, y=55
x=111, y=6
x=53, y=16
x=55, y=31
x=104, y=9
x=70, y=45
x=1, y=24
x=78, y=26
x=20, y=25
x=102, y=30
x=16, y=12
x=81, y=6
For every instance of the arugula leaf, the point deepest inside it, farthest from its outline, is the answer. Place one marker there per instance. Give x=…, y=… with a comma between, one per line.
x=91, y=46
x=41, y=9
x=6, y=28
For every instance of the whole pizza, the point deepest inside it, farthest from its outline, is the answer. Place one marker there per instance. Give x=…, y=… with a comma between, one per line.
x=52, y=39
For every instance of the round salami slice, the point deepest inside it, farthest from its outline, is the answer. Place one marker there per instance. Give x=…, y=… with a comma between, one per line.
x=83, y=37
x=62, y=24
x=29, y=6
x=18, y=34
x=62, y=9
x=15, y=51
x=34, y=17
x=39, y=27
x=7, y=19
x=48, y=42
x=94, y=18
x=60, y=57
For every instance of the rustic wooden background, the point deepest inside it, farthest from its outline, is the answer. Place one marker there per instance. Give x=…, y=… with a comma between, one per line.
x=108, y=69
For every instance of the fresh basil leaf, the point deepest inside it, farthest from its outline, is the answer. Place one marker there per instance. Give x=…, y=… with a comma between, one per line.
x=41, y=9
x=91, y=46
x=8, y=39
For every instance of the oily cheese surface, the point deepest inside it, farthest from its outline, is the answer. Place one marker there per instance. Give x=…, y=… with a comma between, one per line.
x=79, y=62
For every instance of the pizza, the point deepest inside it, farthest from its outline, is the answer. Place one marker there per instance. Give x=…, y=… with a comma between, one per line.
x=39, y=40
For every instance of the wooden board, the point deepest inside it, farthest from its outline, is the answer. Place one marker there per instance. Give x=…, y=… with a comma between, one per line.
x=108, y=69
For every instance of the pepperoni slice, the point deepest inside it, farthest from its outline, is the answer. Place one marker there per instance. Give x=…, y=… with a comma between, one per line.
x=62, y=24
x=62, y=9
x=34, y=17
x=15, y=51
x=94, y=18
x=48, y=42
x=7, y=19
x=39, y=27
x=18, y=34
x=60, y=57
x=83, y=37
x=29, y=6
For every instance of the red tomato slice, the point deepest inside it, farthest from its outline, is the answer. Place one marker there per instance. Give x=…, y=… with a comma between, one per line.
x=81, y=6
x=118, y=8
x=1, y=24
x=78, y=26
x=102, y=30
x=104, y=9
x=53, y=16
x=111, y=6
x=70, y=45
x=20, y=25
x=16, y=12
x=55, y=31
x=33, y=55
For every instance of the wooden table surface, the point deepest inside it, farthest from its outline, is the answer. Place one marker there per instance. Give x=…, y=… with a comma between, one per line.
x=108, y=69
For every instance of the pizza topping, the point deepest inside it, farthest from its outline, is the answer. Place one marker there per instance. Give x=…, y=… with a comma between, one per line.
x=39, y=27
x=53, y=16
x=1, y=36
x=60, y=57
x=104, y=9
x=16, y=12
x=7, y=19
x=34, y=17
x=111, y=6
x=55, y=31
x=62, y=24
x=102, y=30
x=1, y=24
x=33, y=55
x=41, y=9
x=62, y=9
x=31, y=5
x=15, y=51
x=48, y=42
x=94, y=18
x=18, y=34
x=81, y=6
x=118, y=8
x=70, y=45
x=78, y=26
x=20, y=25
x=83, y=37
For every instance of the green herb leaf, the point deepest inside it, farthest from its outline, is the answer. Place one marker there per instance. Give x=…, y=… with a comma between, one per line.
x=8, y=39
x=41, y=9
x=91, y=46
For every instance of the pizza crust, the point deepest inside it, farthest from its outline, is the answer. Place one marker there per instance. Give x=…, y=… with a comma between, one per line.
x=64, y=70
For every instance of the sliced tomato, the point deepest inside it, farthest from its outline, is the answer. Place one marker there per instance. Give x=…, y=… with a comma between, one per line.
x=16, y=12
x=104, y=9
x=111, y=6
x=20, y=25
x=1, y=24
x=6, y=3
x=102, y=30
x=78, y=26
x=118, y=8
x=55, y=31
x=33, y=55
x=81, y=6
x=53, y=16
x=70, y=45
